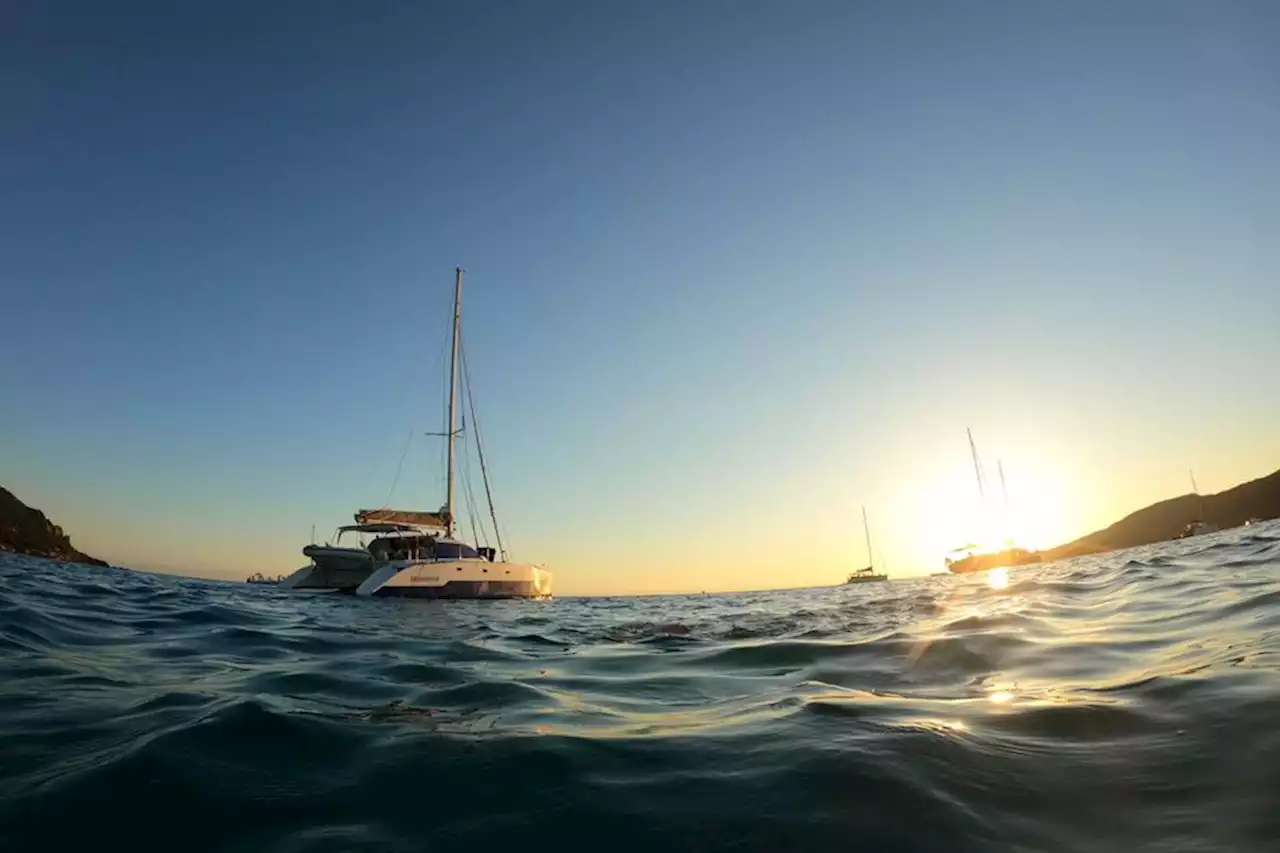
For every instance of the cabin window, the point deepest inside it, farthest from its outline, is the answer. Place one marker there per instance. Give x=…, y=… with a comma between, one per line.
x=453, y=551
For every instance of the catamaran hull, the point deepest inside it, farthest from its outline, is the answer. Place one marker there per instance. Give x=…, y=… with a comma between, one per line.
x=331, y=568
x=475, y=579
x=465, y=589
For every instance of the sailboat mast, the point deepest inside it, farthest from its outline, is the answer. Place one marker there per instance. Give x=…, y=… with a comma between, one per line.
x=1195, y=490
x=866, y=528
x=453, y=393
x=977, y=466
x=1004, y=492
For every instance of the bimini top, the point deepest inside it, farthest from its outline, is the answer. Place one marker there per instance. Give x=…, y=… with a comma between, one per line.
x=380, y=528
x=437, y=520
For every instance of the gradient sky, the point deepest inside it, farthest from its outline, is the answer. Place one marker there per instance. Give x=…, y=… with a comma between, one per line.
x=734, y=269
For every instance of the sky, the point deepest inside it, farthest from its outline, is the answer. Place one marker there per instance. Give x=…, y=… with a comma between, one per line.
x=733, y=271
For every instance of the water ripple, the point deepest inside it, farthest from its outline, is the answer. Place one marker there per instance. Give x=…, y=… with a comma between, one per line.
x=1118, y=702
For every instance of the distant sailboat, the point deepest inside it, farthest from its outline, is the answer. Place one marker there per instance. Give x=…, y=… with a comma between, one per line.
x=868, y=574
x=1199, y=526
x=974, y=557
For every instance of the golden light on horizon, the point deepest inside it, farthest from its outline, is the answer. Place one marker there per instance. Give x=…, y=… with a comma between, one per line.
x=1034, y=517
x=1034, y=522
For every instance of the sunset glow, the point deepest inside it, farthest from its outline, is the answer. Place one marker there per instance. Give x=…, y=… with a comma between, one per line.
x=955, y=516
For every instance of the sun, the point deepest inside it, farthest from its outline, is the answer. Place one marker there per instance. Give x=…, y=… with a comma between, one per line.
x=942, y=514
x=1030, y=525
x=1033, y=519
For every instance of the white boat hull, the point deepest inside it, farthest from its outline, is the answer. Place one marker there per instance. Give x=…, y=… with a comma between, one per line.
x=331, y=568
x=465, y=578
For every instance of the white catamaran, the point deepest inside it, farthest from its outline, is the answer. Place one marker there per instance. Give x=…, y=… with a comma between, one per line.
x=416, y=554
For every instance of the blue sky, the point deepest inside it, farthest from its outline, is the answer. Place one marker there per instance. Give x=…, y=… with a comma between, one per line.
x=733, y=270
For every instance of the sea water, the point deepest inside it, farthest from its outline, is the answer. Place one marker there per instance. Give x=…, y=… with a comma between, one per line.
x=1126, y=702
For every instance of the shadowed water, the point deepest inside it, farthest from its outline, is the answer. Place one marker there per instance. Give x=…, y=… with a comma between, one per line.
x=1123, y=702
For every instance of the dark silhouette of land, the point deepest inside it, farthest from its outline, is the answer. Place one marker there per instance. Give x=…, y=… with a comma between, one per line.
x=1165, y=520
x=24, y=530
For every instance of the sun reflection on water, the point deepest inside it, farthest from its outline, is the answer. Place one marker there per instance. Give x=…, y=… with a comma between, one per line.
x=998, y=578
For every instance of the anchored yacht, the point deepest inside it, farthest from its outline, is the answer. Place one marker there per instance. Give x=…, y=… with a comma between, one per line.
x=1198, y=526
x=414, y=554
x=867, y=574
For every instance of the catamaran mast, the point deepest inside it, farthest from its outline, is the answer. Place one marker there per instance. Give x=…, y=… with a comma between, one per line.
x=866, y=528
x=453, y=392
x=977, y=466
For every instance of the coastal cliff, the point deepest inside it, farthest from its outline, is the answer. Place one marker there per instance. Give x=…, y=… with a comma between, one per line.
x=1164, y=520
x=24, y=530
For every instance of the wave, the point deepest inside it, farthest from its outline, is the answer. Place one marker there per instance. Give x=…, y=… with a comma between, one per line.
x=1122, y=701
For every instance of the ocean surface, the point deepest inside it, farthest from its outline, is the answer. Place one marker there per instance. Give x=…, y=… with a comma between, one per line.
x=1126, y=702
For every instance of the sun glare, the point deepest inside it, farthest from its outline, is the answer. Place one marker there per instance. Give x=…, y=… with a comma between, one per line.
x=1037, y=522
x=948, y=517
x=1033, y=518
x=1034, y=522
